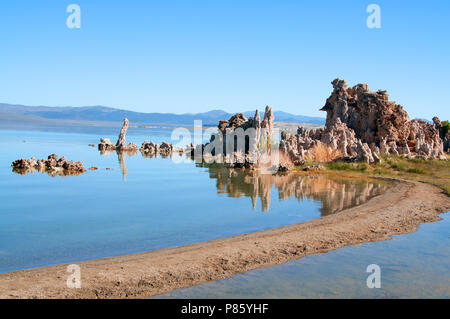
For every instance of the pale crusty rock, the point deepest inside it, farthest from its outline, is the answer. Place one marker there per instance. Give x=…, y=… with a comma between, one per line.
x=148, y=147
x=236, y=120
x=268, y=120
x=51, y=165
x=338, y=138
x=374, y=118
x=254, y=145
x=123, y=132
x=361, y=125
x=106, y=145
x=445, y=136
x=151, y=148
x=24, y=164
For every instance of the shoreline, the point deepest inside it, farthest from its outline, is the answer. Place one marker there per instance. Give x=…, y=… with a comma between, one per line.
x=400, y=210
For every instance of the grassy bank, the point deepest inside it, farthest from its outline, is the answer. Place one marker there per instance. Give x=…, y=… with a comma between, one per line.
x=433, y=172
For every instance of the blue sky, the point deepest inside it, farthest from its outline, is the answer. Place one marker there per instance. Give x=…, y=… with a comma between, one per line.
x=194, y=56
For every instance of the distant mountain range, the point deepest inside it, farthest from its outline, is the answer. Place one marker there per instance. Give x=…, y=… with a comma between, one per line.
x=44, y=114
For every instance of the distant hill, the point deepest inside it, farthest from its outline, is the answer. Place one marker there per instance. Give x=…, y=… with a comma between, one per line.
x=107, y=114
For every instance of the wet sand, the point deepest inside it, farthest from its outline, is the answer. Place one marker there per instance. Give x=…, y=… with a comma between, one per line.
x=400, y=210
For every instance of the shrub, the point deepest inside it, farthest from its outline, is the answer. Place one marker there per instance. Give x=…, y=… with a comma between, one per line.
x=416, y=170
x=323, y=153
x=342, y=166
x=339, y=166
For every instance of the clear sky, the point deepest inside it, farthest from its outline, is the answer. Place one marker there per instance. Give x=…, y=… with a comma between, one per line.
x=195, y=56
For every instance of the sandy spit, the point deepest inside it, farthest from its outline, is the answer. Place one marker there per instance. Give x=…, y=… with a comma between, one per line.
x=400, y=210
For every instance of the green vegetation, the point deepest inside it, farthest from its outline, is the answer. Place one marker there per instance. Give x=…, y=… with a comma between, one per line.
x=342, y=166
x=445, y=127
x=434, y=172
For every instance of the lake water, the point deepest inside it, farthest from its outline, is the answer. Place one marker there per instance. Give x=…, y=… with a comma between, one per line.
x=413, y=265
x=140, y=203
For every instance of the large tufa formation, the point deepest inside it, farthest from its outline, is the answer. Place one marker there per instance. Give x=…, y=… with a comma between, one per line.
x=52, y=165
x=247, y=153
x=361, y=125
x=106, y=145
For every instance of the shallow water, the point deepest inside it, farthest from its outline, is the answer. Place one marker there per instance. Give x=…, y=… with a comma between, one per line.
x=413, y=265
x=143, y=204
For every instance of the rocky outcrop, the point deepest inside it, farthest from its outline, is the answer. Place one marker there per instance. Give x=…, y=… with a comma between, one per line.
x=360, y=126
x=322, y=144
x=165, y=149
x=106, y=145
x=444, y=133
x=240, y=142
x=52, y=165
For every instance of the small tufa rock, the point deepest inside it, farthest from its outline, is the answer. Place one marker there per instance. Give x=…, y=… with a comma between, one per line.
x=23, y=164
x=106, y=145
x=52, y=165
x=165, y=149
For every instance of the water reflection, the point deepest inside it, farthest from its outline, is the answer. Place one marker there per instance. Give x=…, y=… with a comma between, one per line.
x=334, y=194
x=54, y=172
x=122, y=163
x=121, y=159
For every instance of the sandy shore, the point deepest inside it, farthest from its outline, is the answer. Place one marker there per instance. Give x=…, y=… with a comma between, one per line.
x=400, y=210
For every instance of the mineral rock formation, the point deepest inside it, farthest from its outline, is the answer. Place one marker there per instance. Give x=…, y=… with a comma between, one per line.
x=165, y=149
x=106, y=145
x=149, y=147
x=256, y=138
x=360, y=126
x=443, y=134
x=51, y=165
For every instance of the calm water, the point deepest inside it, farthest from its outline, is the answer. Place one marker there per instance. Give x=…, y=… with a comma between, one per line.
x=142, y=203
x=412, y=266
